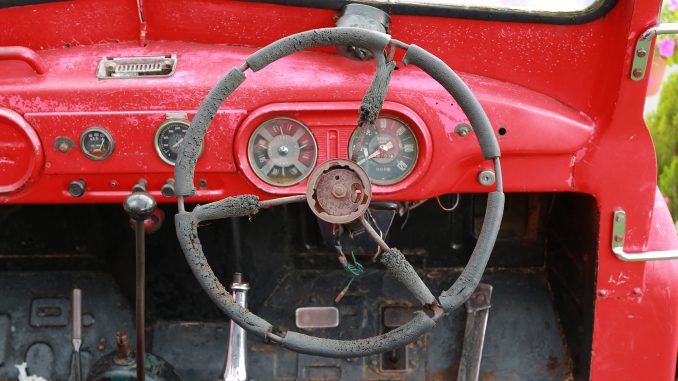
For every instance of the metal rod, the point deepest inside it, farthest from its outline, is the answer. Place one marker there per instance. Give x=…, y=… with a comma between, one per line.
x=236, y=358
x=76, y=320
x=373, y=233
x=282, y=201
x=666, y=28
x=477, y=310
x=140, y=296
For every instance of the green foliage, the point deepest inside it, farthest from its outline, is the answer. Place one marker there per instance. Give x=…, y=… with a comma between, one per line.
x=668, y=183
x=663, y=126
x=669, y=14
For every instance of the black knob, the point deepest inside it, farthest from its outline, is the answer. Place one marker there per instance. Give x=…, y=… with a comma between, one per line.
x=139, y=205
x=77, y=188
x=167, y=190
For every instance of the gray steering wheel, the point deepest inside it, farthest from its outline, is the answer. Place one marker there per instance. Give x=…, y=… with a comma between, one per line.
x=352, y=209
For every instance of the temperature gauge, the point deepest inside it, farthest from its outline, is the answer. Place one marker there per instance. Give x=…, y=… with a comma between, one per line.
x=96, y=143
x=282, y=151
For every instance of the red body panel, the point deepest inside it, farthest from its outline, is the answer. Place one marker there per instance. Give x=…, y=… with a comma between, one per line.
x=572, y=114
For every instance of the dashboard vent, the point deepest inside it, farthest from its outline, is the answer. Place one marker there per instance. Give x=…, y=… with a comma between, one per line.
x=137, y=67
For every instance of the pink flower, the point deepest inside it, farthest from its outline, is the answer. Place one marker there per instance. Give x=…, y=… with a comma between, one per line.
x=666, y=47
x=673, y=5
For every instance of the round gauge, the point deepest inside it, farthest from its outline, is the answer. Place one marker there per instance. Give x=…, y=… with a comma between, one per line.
x=96, y=143
x=388, y=151
x=168, y=138
x=282, y=151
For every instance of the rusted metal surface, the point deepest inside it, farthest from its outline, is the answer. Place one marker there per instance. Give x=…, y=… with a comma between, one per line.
x=338, y=191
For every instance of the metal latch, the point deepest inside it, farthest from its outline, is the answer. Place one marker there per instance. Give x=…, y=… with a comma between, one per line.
x=136, y=67
x=642, y=51
x=618, y=235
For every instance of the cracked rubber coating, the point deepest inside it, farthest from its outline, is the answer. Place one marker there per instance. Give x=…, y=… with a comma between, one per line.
x=373, y=100
x=187, y=232
x=367, y=39
x=236, y=206
x=403, y=272
x=463, y=287
x=442, y=73
x=397, y=338
x=190, y=149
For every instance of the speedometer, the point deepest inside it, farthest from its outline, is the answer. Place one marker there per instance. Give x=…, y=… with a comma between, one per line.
x=282, y=151
x=388, y=151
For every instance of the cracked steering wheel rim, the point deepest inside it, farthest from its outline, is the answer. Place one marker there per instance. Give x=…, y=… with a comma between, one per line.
x=395, y=262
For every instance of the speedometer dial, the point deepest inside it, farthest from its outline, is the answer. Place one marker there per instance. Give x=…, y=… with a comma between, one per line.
x=282, y=151
x=388, y=151
x=169, y=137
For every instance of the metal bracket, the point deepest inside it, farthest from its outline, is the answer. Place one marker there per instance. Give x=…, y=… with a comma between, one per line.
x=642, y=50
x=618, y=235
x=477, y=311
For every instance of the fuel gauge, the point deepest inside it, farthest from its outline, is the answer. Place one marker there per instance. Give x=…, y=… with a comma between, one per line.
x=96, y=143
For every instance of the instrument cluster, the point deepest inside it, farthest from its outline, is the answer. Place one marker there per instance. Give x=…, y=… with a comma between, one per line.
x=283, y=151
x=284, y=145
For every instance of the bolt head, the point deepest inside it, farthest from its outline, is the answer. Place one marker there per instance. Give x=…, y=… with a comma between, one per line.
x=339, y=191
x=618, y=238
x=641, y=53
x=637, y=73
x=462, y=129
x=486, y=177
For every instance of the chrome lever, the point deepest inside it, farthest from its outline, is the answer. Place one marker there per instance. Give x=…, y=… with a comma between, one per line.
x=618, y=235
x=236, y=359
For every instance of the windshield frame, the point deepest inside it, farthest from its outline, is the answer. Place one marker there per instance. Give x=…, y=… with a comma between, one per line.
x=597, y=9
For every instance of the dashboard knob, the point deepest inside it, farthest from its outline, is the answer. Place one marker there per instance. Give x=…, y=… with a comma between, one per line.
x=139, y=205
x=77, y=188
x=167, y=190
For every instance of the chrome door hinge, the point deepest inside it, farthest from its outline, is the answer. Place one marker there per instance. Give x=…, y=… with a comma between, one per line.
x=618, y=236
x=641, y=54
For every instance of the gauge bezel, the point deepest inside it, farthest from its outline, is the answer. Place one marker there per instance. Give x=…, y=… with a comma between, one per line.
x=106, y=134
x=413, y=132
x=256, y=169
x=158, y=132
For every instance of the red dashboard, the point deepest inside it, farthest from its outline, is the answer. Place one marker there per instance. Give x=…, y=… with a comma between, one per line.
x=321, y=90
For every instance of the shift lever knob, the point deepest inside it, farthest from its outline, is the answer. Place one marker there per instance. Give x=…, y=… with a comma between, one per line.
x=139, y=205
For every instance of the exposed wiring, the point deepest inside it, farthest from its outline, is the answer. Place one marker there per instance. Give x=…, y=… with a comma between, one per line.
x=374, y=224
x=355, y=269
x=456, y=204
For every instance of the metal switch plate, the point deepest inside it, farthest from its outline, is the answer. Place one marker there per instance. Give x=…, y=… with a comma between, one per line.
x=316, y=317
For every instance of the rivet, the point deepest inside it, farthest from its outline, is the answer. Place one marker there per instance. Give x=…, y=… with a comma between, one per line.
x=641, y=52
x=637, y=291
x=619, y=218
x=602, y=293
x=637, y=73
x=202, y=183
x=618, y=238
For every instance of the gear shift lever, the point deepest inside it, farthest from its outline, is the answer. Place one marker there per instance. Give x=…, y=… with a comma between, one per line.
x=236, y=359
x=139, y=205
